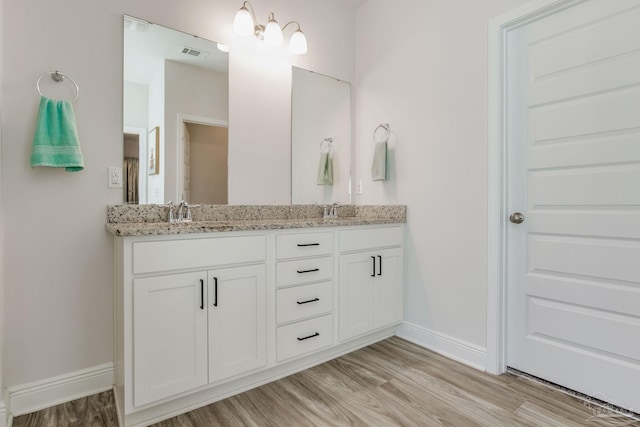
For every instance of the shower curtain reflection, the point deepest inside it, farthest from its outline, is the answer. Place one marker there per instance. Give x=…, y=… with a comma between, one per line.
x=130, y=180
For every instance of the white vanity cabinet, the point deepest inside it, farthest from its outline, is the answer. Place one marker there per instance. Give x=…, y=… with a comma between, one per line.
x=169, y=335
x=202, y=316
x=237, y=321
x=304, y=295
x=189, y=312
x=371, y=280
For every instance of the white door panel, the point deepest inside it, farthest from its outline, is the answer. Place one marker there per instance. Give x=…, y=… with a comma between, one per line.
x=600, y=39
x=593, y=186
x=573, y=266
x=599, y=330
x=582, y=15
x=590, y=79
x=609, y=295
x=620, y=147
x=607, y=112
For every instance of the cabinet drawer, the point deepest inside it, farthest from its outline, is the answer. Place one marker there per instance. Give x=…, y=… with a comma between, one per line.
x=197, y=253
x=303, y=244
x=369, y=238
x=305, y=301
x=304, y=271
x=304, y=337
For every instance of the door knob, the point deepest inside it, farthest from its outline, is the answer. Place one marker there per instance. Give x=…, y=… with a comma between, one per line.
x=516, y=218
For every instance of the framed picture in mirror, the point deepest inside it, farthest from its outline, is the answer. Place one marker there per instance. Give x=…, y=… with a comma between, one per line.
x=154, y=151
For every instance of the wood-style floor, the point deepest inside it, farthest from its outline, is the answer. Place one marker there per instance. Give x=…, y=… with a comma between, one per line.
x=391, y=383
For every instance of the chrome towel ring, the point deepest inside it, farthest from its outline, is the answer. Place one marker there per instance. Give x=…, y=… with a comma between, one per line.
x=58, y=77
x=385, y=135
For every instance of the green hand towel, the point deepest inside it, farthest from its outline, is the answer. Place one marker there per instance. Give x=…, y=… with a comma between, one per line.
x=379, y=169
x=55, y=143
x=325, y=170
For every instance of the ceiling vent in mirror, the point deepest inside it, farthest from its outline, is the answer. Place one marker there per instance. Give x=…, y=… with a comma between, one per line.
x=196, y=53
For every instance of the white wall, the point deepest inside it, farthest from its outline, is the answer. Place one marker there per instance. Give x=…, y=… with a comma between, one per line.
x=426, y=75
x=136, y=105
x=156, y=109
x=58, y=273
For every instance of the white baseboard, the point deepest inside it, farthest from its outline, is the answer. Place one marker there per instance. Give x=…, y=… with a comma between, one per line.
x=31, y=397
x=453, y=348
x=3, y=414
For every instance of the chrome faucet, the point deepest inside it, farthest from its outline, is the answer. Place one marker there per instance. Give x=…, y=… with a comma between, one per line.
x=331, y=211
x=172, y=212
x=334, y=210
x=183, y=214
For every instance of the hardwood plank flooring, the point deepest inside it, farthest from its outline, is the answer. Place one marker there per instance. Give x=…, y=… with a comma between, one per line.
x=391, y=383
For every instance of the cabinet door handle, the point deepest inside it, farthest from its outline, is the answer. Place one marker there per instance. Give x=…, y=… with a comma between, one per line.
x=215, y=291
x=308, y=301
x=373, y=274
x=310, y=336
x=380, y=266
x=308, y=271
x=304, y=245
x=201, y=294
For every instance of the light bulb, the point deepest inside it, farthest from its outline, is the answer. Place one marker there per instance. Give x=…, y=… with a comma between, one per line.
x=273, y=34
x=243, y=22
x=298, y=43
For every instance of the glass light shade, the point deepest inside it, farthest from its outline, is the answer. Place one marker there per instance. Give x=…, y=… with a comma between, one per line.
x=273, y=34
x=298, y=43
x=243, y=23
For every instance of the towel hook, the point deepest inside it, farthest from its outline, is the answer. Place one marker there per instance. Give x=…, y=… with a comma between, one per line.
x=387, y=132
x=57, y=77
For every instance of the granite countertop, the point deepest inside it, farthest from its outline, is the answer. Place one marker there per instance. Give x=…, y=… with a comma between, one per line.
x=150, y=220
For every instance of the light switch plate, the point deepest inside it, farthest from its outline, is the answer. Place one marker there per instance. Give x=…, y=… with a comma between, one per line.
x=115, y=177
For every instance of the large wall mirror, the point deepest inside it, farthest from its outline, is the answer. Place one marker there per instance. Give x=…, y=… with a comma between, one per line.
x=176, y=112
x=320, y=139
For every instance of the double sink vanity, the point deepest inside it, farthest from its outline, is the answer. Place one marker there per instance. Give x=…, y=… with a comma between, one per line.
x=244, y=295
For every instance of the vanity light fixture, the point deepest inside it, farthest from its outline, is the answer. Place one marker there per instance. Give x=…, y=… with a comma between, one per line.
x=246, y=24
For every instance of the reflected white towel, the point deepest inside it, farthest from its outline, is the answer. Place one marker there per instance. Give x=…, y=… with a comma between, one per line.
x=325, y=170
x=379, y=170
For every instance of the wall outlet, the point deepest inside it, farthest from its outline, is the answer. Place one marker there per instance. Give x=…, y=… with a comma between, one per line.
x=115, y=177
x=359, y=189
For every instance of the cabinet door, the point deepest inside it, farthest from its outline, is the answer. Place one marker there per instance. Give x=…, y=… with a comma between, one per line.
x=357, y=294
x=237, y=320
x=389, y=299
x=169, y=335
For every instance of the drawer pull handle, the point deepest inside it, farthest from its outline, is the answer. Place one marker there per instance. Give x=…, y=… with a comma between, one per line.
x=308, y=301
x=373, y=274
x=304, y=245
x=201, y=294
x=313, y=270
x=380, y=265
x=310, y=336
x=215, y=291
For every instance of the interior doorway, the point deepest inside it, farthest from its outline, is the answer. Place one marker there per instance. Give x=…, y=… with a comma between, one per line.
x=203, y=166
x=134, y=166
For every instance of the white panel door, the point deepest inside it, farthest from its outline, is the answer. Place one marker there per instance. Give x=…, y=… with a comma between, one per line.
x=237, y=321
x=573, y=265
x=169, y=335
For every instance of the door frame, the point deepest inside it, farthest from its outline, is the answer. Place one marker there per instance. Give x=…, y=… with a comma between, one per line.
x=496, y=360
